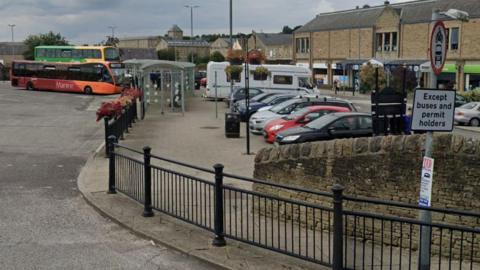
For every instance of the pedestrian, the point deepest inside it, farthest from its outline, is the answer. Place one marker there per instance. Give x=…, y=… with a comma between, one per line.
x=335, y=86
x=407, y=122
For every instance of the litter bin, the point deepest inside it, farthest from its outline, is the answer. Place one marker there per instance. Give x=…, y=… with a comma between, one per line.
x=232, y=125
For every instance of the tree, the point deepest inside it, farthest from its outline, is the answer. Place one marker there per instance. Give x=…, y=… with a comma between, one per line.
x=410, y=79
x=166, y=54
x=368, y=78
x=49, y=38
x=287, y=30
x=111, y=41
x=217, y=57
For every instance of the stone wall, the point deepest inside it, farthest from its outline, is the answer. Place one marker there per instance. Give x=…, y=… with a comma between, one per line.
x=385, y=168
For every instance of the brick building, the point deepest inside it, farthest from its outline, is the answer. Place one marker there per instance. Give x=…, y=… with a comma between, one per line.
x=276, y=47
x=338, y=43
x=172, y=41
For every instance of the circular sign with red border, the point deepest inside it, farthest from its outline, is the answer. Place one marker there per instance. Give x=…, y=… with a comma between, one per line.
x=438, y=47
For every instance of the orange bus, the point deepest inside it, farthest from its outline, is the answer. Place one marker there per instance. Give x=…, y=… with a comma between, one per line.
x=88, y=78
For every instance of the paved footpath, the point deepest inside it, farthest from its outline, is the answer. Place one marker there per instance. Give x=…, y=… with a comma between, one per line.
x=196, y=138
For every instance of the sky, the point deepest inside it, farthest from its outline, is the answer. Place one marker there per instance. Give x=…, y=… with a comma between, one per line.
x=88, y=21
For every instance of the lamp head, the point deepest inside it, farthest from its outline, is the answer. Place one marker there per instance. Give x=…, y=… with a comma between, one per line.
x=457, y=14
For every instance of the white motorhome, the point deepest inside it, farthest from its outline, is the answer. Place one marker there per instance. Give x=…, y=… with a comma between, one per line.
x=282, y=78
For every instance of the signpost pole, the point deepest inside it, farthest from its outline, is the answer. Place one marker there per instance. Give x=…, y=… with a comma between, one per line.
x=216, y=100
x=425, y=215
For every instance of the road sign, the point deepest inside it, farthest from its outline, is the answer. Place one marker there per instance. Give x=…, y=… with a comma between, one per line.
x=426, y=183
x=438, y=47
x=433, y=110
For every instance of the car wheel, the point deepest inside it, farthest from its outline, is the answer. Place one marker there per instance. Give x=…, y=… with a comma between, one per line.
x=30, y=86
x=475, y=122
x=88, y=90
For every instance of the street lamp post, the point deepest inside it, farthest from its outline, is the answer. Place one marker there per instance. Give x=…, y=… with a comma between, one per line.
x=231, y=46
x=191, y=27
x=13, y=45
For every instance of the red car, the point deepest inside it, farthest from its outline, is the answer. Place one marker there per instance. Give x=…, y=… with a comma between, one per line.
x=296, y=119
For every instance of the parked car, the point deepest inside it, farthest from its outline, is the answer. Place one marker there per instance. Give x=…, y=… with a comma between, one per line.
x=241, y=93
x=297, y=119
x=203, y=82
x=330, y=126
x=459, y=101
x=257, y=98
x=199, y=75
x=468, y=114
x=259, y=119
x=254, y=106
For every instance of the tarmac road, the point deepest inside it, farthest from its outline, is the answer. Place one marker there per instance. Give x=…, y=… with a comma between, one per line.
x=46, y=138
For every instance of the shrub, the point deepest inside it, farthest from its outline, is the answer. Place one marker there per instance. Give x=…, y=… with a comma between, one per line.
x=367, y=78
x=471, y=96
x=111, y=109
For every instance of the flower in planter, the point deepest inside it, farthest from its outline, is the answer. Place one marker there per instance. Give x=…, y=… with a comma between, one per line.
x=256, y=57
x=131, y=92
x=234, y=72
x=260, y=73
x=111, y=109
x=235, y=57
x=125, y=101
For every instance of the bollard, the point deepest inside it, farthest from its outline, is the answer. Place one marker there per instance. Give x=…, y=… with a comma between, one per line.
x=219, y=240
x=147, y=211
x=337, y=263
x=111, y=163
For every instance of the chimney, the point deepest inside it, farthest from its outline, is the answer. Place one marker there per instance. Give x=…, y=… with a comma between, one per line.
x=357, y=7
x=386, y=3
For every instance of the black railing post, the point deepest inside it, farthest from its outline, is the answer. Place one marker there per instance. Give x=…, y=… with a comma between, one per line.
x=107, y=133
x=219, y=240
x=337, y=227
x=125, y=114
x=147, y=211
x=111, y=163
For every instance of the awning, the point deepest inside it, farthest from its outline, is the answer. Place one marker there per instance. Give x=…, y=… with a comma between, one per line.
x=351, y=63
x=404, y=62
x=472, y=69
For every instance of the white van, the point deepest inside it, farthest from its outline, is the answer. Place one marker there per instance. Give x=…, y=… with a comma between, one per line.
x=286, y=79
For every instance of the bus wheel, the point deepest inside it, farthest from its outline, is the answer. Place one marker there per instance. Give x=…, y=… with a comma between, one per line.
x=30, y=86
x=88, y=90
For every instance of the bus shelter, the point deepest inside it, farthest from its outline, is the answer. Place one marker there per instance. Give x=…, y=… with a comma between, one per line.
x=163, y=83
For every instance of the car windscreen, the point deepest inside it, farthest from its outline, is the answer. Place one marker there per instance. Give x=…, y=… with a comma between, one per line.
x=270, y=98
x=321, y=122
x=469, y=106
x=260, y=97
x=296, y=114
x=283, y=105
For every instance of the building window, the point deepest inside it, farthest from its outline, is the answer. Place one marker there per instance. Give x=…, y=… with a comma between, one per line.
x=307, y=41
x=386, y=42
x=394, y=41
x=454, y=38
x=302, y=45
x=379, y=42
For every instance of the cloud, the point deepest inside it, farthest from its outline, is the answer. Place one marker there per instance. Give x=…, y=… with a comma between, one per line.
x=87, y=21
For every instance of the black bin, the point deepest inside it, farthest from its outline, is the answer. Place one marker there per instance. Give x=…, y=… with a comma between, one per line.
x=232, y=125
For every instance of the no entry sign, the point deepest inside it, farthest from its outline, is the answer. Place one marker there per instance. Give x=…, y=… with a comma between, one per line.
x=433, y=110
x=438, y=47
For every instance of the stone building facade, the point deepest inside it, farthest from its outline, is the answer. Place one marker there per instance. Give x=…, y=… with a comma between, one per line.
x=220, y=45
x=174, y=40
x=276, y=47
x=334, y=45
x=10, y=51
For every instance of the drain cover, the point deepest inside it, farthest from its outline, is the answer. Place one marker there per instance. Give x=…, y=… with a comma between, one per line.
x=209, y=127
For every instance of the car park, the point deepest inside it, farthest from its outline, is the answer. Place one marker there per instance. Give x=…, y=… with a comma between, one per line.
x=259, y=119
x=459, y=101
x=331, y=126
x=468, y=114
x=199, y=75
x=255, y=105
x=297, y=119
x=241, y=94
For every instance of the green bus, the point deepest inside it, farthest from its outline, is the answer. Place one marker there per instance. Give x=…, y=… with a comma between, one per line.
x=79, y=54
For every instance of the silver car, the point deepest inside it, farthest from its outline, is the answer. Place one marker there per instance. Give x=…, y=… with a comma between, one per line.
x=468, y=114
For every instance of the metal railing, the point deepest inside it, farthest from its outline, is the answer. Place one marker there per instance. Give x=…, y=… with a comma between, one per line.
x=320, y=227
x=119, y=126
